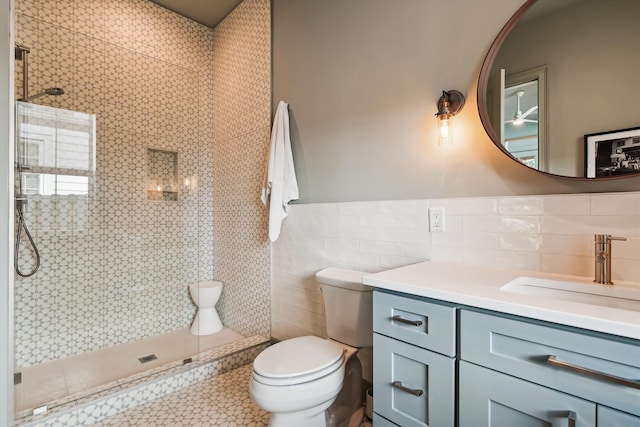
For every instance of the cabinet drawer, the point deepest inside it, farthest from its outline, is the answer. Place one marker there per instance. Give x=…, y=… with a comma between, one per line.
x=489, y=398
x=413, y=387
x=550, y=356
x=608, y=417
x=379, y=421
x=416, y=320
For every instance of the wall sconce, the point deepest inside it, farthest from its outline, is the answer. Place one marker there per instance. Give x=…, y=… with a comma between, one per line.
x=449, y=105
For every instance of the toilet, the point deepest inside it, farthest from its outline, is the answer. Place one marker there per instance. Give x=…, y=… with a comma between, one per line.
x=205, y=295
x=317, y=382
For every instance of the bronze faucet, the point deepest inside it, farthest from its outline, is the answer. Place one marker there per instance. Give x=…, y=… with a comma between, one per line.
x=603, y=258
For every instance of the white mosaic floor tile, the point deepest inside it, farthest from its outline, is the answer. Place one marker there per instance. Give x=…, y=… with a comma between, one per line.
x=221, y=401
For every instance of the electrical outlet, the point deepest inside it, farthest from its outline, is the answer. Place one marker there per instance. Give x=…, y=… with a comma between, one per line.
x=436, y=220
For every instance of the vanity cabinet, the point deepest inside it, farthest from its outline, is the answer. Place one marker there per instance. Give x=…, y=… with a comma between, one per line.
x=584, y=364
x=494, y=369
x=414, y=361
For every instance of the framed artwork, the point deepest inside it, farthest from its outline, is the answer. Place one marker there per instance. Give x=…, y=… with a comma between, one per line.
x=612, y=153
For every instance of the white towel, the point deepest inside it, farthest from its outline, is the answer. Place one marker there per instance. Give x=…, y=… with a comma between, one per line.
x=280, y=185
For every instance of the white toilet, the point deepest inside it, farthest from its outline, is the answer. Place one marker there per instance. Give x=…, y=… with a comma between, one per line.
x=315, y=382
x=205, y=295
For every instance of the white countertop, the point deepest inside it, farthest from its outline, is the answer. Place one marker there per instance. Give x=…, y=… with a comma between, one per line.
x=480, y=287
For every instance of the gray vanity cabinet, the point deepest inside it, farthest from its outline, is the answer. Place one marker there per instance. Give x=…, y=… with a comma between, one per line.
x=414, y=361
x=511, y=371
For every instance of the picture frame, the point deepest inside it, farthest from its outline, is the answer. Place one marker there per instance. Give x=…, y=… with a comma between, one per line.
x=612, y=153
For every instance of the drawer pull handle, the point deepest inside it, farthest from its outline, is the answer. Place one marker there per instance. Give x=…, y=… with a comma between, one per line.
x=399, y=386
x=407, y=321
x=554, y=361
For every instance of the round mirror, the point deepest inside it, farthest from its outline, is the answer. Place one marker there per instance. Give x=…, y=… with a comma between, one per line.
x=559, y=88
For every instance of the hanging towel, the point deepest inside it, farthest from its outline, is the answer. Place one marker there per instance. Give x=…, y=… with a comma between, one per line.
x=280, y=185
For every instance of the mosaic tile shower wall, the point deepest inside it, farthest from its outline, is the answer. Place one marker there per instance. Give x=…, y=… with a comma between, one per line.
x=241, y=123
x=116, y=266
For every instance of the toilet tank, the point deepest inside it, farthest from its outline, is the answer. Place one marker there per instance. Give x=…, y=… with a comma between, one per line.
x=348, y=306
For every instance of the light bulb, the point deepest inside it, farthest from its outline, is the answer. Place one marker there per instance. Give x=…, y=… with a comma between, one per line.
x=444, y=128
x=444, y=131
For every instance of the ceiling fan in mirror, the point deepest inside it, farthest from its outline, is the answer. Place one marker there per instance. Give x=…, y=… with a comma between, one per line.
x=519, y=117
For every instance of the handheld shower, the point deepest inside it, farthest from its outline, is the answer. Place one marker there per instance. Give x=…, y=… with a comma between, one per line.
x=22, y=54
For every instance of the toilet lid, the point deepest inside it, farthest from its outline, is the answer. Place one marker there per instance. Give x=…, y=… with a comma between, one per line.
x=297, y=357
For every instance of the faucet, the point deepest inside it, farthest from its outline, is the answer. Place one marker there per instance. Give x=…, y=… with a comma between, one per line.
x=603, y=257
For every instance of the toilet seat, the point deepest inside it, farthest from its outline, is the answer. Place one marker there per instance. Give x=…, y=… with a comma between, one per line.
x=298, y=360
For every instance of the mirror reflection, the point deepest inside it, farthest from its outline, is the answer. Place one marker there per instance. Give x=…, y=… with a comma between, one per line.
x=568, y=69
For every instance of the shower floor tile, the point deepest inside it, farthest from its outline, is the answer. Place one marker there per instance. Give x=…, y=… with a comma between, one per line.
x=65, y=377
x=221, y=401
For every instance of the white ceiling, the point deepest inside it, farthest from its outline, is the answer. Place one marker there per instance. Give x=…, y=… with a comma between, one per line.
x=206, y=12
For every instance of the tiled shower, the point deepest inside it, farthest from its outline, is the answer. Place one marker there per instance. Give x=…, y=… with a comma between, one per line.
x=172, y=99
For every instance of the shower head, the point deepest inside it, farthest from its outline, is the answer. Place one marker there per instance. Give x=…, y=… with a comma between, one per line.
x=52, y=91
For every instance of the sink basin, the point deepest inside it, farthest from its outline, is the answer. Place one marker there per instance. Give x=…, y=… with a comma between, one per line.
x=624, y=297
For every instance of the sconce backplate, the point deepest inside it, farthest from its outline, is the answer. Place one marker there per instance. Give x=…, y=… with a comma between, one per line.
x=456, y=101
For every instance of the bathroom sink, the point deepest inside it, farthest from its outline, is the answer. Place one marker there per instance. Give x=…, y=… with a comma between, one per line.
x=620, y=296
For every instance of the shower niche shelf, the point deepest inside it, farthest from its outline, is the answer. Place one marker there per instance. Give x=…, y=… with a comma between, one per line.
x=162, y=175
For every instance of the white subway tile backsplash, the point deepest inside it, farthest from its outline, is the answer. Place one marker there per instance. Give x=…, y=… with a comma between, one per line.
x=567, y=204
x=350, y=260
x=391, y=261
x=521, y=205
x=566, y=244
x=341, y=245
x=519, y=242
x=359, y=233
x=625, y=269
x=304, y=221
x=618, y=225
x=465, y=239
x=503, y=259
x=419, y=221
x=407, y=207
x=453, y=255
x=354, y=208
x=372, y=220
x=342, y=220
x=405, y=235
x=382, y=248
x=567, y=264
x=452, y=223
x=478, y=206
x=417, y=250
x=501, y=224
x=627, y=250
x=616, y=204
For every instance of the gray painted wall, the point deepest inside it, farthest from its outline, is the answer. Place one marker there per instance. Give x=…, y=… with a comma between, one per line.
x=362, y=78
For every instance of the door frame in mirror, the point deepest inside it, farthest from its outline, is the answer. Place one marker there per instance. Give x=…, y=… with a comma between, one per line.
x=539, y=75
